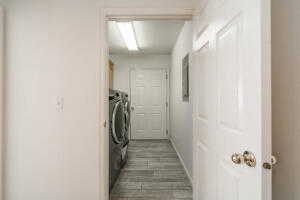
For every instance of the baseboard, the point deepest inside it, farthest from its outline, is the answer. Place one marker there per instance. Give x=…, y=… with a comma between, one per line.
x=181, y=160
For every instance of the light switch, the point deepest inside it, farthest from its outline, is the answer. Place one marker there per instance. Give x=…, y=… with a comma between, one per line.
x=60, y=104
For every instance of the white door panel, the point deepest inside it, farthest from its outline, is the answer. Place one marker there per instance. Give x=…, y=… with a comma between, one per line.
x=230, y=114
x=148, y=98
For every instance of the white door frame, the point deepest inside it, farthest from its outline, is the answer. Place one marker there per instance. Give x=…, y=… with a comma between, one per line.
x=167, y=87
x=107, y=14
x=2, y=110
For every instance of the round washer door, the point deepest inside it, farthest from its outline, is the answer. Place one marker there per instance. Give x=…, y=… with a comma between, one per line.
x=118, y=123
x=127, y=115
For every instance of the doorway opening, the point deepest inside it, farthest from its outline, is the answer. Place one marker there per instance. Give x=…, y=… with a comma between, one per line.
x=231, y=117
x=148, y=75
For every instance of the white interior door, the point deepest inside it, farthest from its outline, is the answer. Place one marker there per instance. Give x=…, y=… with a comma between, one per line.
x=232, y=100
x=148, y=101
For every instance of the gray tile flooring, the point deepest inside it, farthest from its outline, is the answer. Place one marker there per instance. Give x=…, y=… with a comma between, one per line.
x=153, y=172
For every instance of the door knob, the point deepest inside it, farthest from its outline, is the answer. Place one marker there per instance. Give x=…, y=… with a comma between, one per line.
x=247, y=158
x=273, y=160
x=237, y=158
x=270, y=165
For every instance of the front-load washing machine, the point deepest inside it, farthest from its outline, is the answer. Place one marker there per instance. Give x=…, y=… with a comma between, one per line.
x=116, y=136
x=127, y=113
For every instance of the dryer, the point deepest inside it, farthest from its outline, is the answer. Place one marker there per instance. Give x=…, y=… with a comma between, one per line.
x=127, y=113
x=127, y=108
x=116, y=136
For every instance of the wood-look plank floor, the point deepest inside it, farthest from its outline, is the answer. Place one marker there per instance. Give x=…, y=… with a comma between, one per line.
x=153, y=172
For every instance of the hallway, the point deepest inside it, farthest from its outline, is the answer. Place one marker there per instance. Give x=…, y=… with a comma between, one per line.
x=153, y=172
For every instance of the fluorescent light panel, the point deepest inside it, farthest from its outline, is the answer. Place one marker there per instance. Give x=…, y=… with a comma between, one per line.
x=128, y=34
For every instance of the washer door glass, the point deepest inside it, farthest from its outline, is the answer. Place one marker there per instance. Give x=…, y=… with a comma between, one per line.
x=118, y=123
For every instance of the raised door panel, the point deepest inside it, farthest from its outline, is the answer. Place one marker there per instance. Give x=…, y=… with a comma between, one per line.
x=157, y=101
x=140, y=98
x=205, y=162
x=156, y=123
x=204, y=104
x=156, y=97
x=229, y=74
x=139, y=102
x=206, y=173
x=227, y=183
x=139, y=125
x=229, y=106
x=203, y=85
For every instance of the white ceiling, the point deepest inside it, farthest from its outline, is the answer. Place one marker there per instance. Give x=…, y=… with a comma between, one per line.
x=153, y=37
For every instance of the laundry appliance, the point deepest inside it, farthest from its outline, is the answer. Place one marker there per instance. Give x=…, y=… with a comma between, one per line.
x=116, y=136
x=127, y=109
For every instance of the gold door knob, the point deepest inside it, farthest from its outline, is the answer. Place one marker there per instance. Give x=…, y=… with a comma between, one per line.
x=237, y=158
x=247, y=157
x=273, y=160
x=267, y=165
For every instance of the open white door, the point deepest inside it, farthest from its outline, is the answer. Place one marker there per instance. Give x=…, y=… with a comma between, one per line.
x=232, y=99
x=148, y=101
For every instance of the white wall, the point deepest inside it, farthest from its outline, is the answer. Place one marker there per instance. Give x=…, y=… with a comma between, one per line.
x=180, y=111
x=123, y=64
x=286, y=98
x=53, y=52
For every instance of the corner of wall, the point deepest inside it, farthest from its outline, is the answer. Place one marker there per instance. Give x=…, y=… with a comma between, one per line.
x=181, y=122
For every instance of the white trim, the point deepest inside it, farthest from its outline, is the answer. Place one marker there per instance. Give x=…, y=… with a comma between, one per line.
x=102, y=108
x=2, y=109
x=181, y=160
x=266, y=97
x=168, y=101
x=102, y=76
x=148, y=13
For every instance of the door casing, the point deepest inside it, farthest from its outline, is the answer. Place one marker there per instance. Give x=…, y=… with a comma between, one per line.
x=2, y=108
x=102, y=78
x=107, y=14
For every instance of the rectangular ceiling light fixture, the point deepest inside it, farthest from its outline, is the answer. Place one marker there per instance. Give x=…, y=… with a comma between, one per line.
x=128, y=34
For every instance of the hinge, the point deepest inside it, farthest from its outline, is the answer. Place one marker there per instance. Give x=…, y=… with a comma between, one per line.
x=166, y=76
x=167, y=104
x=167, y=131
